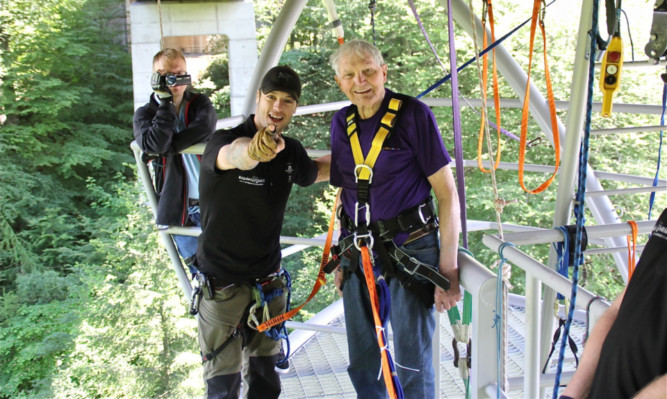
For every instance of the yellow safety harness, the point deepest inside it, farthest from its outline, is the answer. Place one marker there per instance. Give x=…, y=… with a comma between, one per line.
x=363, y=238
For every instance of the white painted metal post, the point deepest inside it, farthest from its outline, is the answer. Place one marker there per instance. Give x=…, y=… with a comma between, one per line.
x=531, y=381
x=176, y=263
x=273, y=48
x=481, y=284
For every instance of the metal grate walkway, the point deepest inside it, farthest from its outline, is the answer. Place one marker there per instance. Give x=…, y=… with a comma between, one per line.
x=319, y=360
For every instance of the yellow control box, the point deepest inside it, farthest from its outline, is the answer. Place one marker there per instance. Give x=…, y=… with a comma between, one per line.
x=610, y=78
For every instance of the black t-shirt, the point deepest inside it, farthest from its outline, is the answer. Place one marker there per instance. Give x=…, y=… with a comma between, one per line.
x=635, y=350
x=242, y=210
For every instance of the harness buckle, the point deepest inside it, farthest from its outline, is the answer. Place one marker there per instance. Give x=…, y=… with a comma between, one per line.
x=363, y=166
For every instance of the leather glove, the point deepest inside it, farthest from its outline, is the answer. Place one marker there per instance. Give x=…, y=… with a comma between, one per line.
x=262, y=146
x=164, y=95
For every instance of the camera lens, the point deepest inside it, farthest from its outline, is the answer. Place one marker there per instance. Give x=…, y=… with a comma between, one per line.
x=171, y=80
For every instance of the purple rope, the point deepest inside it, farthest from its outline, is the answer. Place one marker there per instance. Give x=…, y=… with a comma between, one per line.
x=421, y=27
x=456, y=111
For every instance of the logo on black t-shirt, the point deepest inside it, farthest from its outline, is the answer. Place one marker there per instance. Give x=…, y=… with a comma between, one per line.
x=252, y=180
x=660, y=230
x=289, y=171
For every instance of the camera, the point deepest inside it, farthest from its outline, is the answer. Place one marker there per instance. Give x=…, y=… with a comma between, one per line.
x=162, y=82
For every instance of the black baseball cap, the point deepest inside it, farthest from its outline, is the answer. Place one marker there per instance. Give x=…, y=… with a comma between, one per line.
x=282, y=78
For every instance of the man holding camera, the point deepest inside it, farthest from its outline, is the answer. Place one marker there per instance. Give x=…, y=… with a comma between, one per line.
x=174, y=119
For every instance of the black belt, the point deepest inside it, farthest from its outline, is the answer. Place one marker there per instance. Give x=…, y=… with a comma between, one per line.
x=193, y=202
x=411, y=265
x=408, y=221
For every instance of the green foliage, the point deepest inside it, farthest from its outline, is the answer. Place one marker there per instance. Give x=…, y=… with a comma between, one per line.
x=135, y=338
x=33, y=337
x=89, y=306
x=214, y=83
x=64, y=124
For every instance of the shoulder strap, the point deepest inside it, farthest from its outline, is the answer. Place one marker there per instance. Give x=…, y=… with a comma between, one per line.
x=187, y=110
x=365, y=165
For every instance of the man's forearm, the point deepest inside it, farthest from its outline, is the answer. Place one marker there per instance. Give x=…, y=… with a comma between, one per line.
x=323, y=167
x=655, y=390
x=581, y=382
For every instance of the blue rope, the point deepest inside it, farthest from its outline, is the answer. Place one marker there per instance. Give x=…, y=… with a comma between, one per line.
x=580, y=197
x=470, y=61
x=657, y=171
x=279, y=331
x=384, y=299
x=498, y=312
x=563, y=252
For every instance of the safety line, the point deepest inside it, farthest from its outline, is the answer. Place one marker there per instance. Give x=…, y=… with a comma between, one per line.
x=159, y=10
x=470, y=61
x=662, y=122
x=632, y=248
x=320, y=280
x=388, y=369
x=423, y=30
x=485, y=124
x=580, y=196
x=538, y=17
x=456, y=115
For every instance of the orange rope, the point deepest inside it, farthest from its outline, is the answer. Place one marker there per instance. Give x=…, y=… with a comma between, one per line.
x=379, y=330
x=319, y=282
x=632, y=249
x=550, y=96
x=496, y=93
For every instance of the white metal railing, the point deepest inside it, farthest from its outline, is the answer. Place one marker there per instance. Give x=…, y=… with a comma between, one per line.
x=537, y=274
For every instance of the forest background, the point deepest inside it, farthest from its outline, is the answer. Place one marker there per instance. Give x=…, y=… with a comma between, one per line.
x=90, y=306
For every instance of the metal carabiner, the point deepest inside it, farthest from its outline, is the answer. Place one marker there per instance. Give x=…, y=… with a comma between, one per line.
x=421, y=214
x=536, y=141
x=359, y=237
x=367, y=214
x=363, y=166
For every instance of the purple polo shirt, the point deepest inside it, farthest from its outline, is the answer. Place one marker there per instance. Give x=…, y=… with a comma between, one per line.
x=400, y=177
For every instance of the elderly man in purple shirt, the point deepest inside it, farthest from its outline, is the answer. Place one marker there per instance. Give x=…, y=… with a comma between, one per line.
x=394, y=207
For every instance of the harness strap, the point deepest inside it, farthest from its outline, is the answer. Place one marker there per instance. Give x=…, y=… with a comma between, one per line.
x=632, y=249
x=391, y=381
x=238, y=331
x=413, y=266
x=391, y=256
x=496, y=92
x=319, y=282
x=364, y=169
x=210, y=356
x=554, y=341
x=538, y=14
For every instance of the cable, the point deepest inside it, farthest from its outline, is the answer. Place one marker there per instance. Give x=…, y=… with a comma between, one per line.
x=580, y=198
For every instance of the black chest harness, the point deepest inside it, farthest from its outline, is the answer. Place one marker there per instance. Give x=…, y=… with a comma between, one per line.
x=417, y=221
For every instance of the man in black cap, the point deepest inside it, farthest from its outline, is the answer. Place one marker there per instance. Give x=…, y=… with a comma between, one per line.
x=247, y=173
